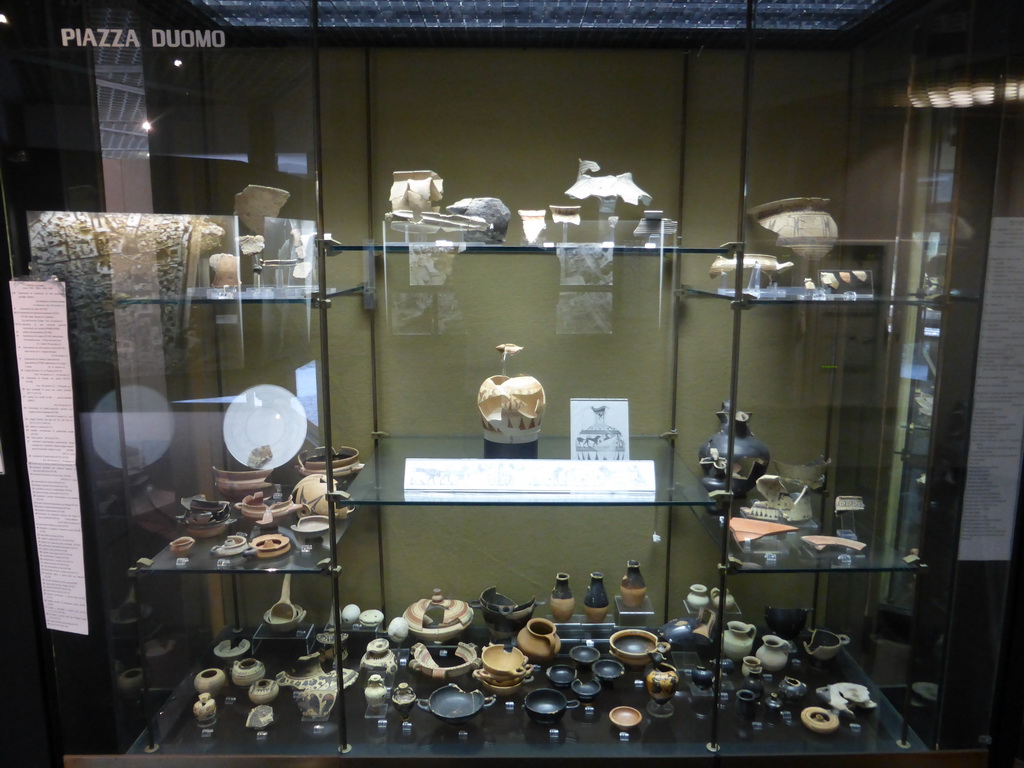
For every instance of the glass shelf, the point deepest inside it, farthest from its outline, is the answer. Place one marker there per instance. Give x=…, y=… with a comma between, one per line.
x=382, y=481
x=245, y=295
x=788, y=553
x=796, y=295
x=303, y=557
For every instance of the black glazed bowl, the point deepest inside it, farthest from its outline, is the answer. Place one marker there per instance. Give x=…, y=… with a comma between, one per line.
x=561, y=675
x=584, y=656
x=609, y=670
x=787, y=623
x=545, y=706
x=586, y=690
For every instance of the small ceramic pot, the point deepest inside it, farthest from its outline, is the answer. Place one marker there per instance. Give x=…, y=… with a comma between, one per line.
x=608, y=671
x=561, y=675
x=403, y=699
x=562, y=602
x=632, y=588
x=586, y=690
x=792, y=690
x=773, y=703
x=702, y=677
x=210, y=681
x=625, y=718
x=730, y=601
x=129, y=683
x=245, y=672
x=263, y=691
x=661, y=682
x=697, y=598
x=752, y=664
x=503, y=663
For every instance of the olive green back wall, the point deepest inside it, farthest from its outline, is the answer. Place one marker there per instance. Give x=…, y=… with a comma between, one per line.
x=512, y=124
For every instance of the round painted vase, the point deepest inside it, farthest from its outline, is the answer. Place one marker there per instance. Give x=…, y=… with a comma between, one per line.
x=632, y=588
x=738, y=639
x=205, y=709
x=263, y=691
x=702, y=677
x=661, y=682
x=539, y=641
x=511, y=409
x=697, y=598
x=595, y=602
x=774, y=653
x=750, y=456
x=562, y=601
x=376, y=692
x=245, y=672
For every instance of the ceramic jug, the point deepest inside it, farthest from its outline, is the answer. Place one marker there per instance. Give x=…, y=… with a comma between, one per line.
x=738, y=639
x=774, y=653
x=539, y=641
x=697, y=598
x=633, y=589
x=376, y=692
x=661, y=682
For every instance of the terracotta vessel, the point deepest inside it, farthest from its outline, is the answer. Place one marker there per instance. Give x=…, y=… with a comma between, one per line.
x=539, y=641
x=802, y=224
x=697, y=597
x=502, y=615
x=511, y=408
x=422, y=661
x=595, y=602
x=311, y=491
x=633, y=588
x=562, y=602
x=263, y=691
x=633, y=647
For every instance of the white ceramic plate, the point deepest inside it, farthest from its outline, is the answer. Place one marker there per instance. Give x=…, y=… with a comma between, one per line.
x=265, y=415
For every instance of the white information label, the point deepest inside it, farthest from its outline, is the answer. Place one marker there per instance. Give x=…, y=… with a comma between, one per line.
x=997, y=420
x=48, y=414
x=528, y=479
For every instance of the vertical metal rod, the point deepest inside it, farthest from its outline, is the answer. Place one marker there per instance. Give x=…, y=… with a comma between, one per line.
x=235, y=603
x=325, y=363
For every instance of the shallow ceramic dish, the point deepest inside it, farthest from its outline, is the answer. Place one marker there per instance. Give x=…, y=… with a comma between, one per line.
x=584, y=656
x=501, y=688
x=181, y=545
x=345, y=460
x=264, y=424
x=312, y=525
x=561, y=675
x=625, y=718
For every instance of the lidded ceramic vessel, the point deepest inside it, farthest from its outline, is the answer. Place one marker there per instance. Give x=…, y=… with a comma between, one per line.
x=562, y=602
x=750, y=455
x=595, y=602
x=633, y=588
x=438, y=618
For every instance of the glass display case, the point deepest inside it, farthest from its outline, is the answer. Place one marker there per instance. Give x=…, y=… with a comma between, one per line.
x=406, y=430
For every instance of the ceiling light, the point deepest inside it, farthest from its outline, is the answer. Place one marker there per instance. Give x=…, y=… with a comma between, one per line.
x=3, y=19
x=178, y=62
x=146, y=125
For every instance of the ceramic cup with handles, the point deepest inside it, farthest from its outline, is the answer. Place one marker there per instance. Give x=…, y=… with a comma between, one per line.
x=825, y=645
